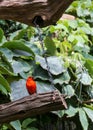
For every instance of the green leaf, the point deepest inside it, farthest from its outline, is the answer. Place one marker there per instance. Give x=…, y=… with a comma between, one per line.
x=19, y=45
x=27, y=122
x=68, y=90
x=85, y=78
x=4, y=70
x=71, y=111
x=43, y=87
x=63, y=78
x=71, y=38
x=55, y=64
x=50, y=45
x=89, y=65
x=61, y=26
x=19, y=34
x=80, y=39
x=20, y=66
x=40, y=73
x=3, y=90
x=89, y=112
x=90, y=91
x=81, y=48
x=83, y=119
x=59, y=113
x=8, y=53
x=1, y=35
x=4, y=62
x=4, y=83
x=16, y=125
x=18, y=89
x=30, y=31
x=34, y=47
x=73, y=23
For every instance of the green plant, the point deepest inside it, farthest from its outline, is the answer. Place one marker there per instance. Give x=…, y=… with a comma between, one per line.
x=68, y=47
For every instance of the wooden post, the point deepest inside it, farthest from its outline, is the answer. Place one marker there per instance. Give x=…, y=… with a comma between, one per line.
x=25, y=11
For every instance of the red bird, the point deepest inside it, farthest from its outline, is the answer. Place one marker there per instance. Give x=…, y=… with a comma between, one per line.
x=31, y=85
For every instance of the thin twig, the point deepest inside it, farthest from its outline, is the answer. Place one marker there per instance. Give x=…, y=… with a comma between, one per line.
x=47, y=65
x=88, y=101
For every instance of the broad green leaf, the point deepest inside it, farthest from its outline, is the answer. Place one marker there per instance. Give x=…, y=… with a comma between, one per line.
x=18, y=89
x=20, y=34
x=59, y=113
x=63, y=78
x=52, y=29
x=3, y=90
x=81, y=48
x=86, y=29
x=16, y=125
x=4, y=83
x=80, y=39
x=85, y=78
x=73, y=24
x=80, y=11
x=25, y=75
x=34, y=47
x=89, y=112
x=55, y=64
x=40, y=73
x=71, y=111
x=65, y=47
x=17, y=35
x=30, y=31
x=61, y=26
x=20, y=66
x=83, y=119
x=1, y=35
x=89, y=65
x=43, y=87
x=18, y=45
x=50, y=45
x=8, y=53
x=4, y=70
x=71, y=38
x=27, y=122
x=68, y=90
x=90, y=91
x=88, y=56
x=4, y=62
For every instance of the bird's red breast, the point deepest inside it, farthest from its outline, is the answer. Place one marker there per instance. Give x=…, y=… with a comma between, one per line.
x=31, y=85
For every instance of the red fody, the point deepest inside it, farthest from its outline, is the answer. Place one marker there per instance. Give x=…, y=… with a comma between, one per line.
x=31, y=85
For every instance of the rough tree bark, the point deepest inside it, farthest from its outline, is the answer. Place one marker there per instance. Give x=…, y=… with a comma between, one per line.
x=31, y=106
x=25, y=11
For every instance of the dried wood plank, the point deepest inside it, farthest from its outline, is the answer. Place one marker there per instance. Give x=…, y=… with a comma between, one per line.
x=48, y=11
x=31, y=106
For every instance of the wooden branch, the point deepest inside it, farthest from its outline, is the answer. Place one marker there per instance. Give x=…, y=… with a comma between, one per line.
x=68, y=17
x=46, y=11
x=88, y=101
x=31, y=106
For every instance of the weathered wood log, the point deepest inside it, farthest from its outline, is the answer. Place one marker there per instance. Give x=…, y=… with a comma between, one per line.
x=31, y=106
x=25, y=11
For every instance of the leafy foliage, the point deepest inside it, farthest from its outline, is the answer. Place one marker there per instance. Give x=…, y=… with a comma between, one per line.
x=83, y=9
x=68, y=47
